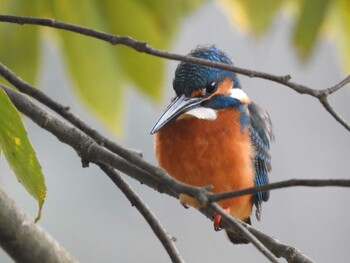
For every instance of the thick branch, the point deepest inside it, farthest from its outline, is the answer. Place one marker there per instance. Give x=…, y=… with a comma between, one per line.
x=64, y=111
x=321, y=95
x=25, y=241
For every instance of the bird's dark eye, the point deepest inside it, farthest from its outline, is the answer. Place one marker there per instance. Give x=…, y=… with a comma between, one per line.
x=211, y=88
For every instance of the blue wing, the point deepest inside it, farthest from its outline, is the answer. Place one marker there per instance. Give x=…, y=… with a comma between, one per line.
x=261, y=136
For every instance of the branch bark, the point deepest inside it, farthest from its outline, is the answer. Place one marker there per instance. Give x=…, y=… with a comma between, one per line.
x=280, y=185
x=25, y=241
x=166, y=239
x=143, y=47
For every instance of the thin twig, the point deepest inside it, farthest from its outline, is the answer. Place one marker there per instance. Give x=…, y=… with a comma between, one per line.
x=164, y=237
x=280, y=250
x=280, y=185
x=336, y=87
x=245, y=233
x=146, y=48
x=329, y=108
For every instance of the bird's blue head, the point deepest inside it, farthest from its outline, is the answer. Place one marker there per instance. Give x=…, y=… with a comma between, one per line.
x=191, y=77
x=202, y=90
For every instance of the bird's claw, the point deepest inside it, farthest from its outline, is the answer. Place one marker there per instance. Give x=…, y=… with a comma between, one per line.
x=185, y=205
x=217, y=219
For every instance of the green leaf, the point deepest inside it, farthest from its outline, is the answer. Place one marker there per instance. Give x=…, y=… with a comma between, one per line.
x=153, y=21
x=145, y=71
x=309, y=22
x=19, y=151
x=19, y=45
x=253, y=15
x=261, y=13
x=342, y=17
x=93, y=65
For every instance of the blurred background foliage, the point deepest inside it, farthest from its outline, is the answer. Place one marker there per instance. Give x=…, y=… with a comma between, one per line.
x=99, y=71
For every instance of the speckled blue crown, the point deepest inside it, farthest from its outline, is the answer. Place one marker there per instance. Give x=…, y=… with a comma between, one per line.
x=190, y=77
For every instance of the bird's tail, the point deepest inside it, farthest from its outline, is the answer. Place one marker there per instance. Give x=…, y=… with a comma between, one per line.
x=237, y=238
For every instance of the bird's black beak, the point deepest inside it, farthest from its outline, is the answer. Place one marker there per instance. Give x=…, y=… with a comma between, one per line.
x=180, y=105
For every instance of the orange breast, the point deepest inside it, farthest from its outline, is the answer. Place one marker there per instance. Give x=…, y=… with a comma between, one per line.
x=203, y=152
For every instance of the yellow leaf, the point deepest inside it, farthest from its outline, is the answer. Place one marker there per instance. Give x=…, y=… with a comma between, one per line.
x=308, y=25
x=94, y=66
x=342, y=17
x=19, y=45
x=253, y=15
x=19, y=152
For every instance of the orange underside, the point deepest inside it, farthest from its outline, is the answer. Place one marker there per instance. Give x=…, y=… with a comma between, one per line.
x=204, y=152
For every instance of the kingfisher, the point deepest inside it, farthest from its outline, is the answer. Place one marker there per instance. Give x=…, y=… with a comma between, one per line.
x=213, y=134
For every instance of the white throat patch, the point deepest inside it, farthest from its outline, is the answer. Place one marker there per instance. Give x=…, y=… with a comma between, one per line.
x=239, y=95
x=201, y=113
x=211, y=114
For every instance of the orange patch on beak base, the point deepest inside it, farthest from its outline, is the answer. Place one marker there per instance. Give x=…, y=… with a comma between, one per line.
x=197, y=93
x=225, y=87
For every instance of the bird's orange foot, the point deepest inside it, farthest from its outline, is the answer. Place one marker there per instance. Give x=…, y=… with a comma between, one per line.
x=217, y=219
x=185, y=205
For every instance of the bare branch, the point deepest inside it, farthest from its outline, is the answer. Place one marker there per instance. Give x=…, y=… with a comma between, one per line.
x=291, y=254
x=166, y=240
x=25, y=241
x=329, y=108
x=244, y=232
x=280, y=185
x=146, y=48
x=84, y=144
x=65, y=112
x=336, y=87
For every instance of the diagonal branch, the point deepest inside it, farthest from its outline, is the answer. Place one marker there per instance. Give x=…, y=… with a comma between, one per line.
x=146, y=48
x=165, y=238
x=25, y=241
x=87, y=148
x=244, y=232
x=280, y=250
x=65, y=112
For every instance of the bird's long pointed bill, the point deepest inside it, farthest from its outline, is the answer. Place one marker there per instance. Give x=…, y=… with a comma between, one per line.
x=180, y=105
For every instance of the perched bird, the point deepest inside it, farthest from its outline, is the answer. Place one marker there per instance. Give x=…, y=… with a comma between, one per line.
x=212, y=134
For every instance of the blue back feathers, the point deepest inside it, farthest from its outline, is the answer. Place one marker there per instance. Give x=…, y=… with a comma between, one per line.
x=190, y=77
x=261, y=135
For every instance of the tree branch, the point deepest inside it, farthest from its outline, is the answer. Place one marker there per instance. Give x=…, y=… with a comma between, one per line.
x=87, y=149
x=280, y=185
x=244, y=232
x=25, y=241
x=143, y=47
x=280, y=250
x=165, y=238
